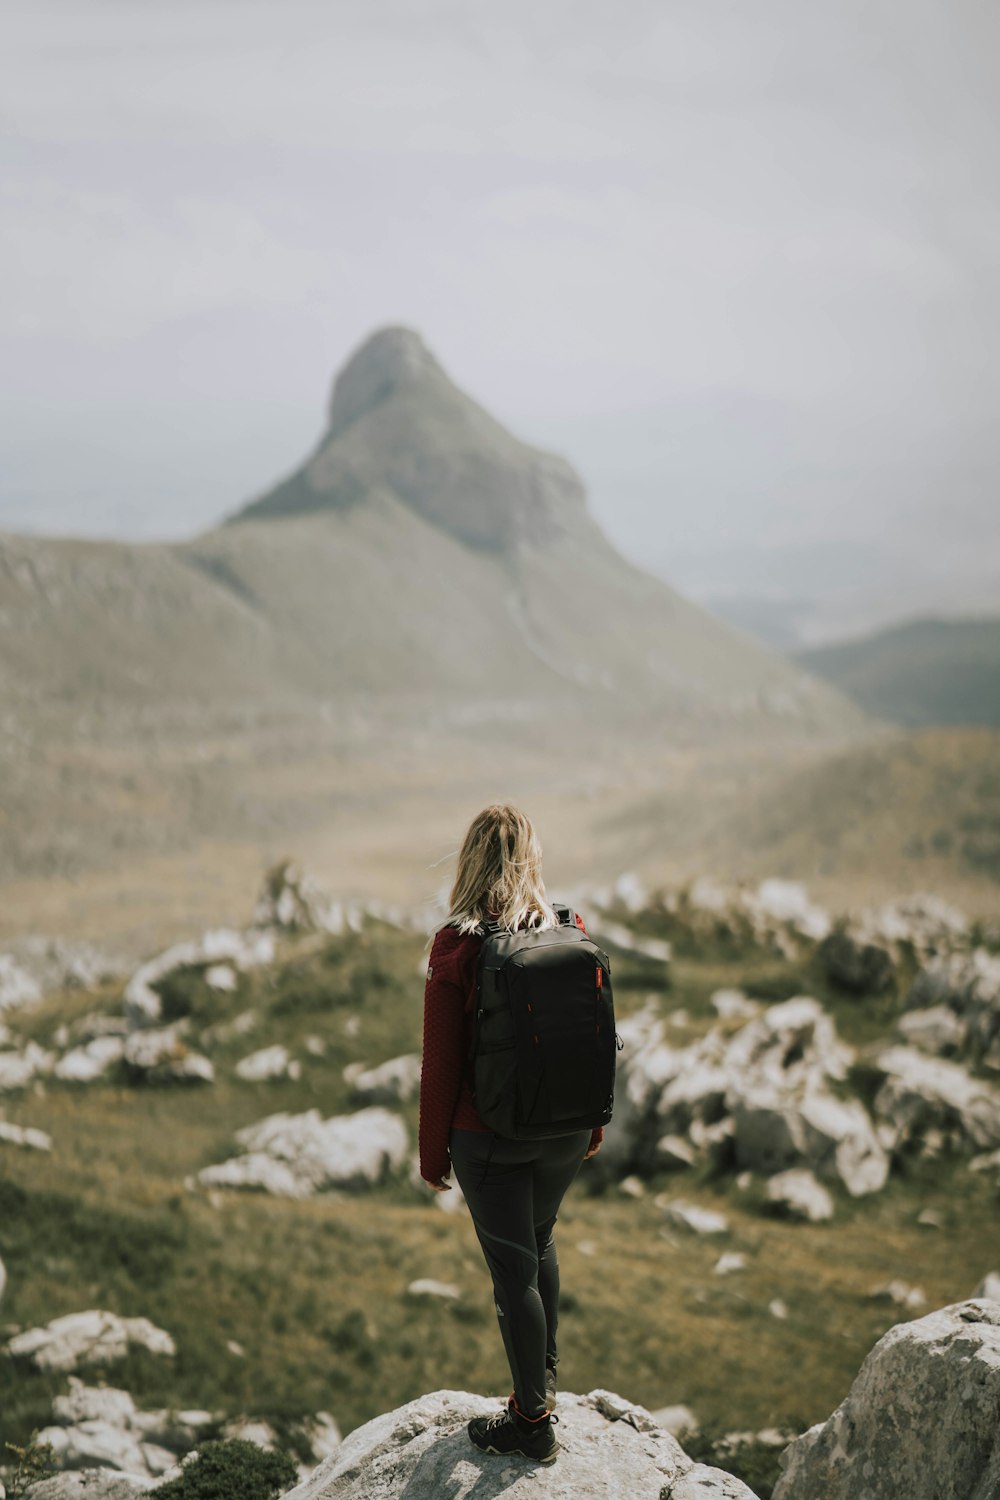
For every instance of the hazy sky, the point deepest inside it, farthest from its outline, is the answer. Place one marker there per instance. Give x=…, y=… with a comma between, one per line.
x=739, y=262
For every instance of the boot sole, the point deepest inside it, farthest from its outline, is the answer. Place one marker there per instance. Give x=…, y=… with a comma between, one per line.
x=519, y=1453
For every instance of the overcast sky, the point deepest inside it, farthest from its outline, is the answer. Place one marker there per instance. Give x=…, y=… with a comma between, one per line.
x=739, y=262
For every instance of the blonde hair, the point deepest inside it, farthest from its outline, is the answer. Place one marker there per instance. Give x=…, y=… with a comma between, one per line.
x=499, y=874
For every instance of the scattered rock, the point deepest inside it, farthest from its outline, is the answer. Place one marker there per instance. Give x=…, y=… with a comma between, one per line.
x=392, y=1082
x=920, y=1420
x=733, y=1005
x=298, y=1155
x=778, y=1309
x=900, y=1293
x=18, y=988
x=632, y=1187
x=427, y=1287
x=934, y=1029
x=680, y=1421
x=268, y=1062
x=692, y=1216
x=674, y=1151
x=729, y=1262
x=221, y=977
x=800, y=1196
x=989, y=1286
x=18, y=1069
x=161, y=1055
x=251, y=1430
x=423, y=1449
x=85, y=1337
x=24, y=1135
x=928, y=1218
x=84, y=1064
x=834, y=1137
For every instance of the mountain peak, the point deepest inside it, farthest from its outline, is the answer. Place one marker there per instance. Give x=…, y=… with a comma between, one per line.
x=399, y=425
x=388, y=360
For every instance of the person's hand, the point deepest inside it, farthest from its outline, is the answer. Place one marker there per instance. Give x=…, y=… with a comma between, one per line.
x=593, y=1151
x=440, y=1186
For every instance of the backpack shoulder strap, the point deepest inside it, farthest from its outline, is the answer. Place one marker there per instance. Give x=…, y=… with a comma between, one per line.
x=566, y=914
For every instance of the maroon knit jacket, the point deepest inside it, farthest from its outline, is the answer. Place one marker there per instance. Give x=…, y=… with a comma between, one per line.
x=445, y=1096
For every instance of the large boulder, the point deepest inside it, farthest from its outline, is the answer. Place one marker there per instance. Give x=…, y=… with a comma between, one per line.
x=607, y=1447
x=86, y=1337
x=90, y=1484
x=922, y=1094
x=775, y=1130
x=920, y=1420
x=296, y=1156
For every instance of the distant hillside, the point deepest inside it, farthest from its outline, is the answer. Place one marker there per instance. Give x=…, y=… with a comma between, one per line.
x=912, y=810
x=923, y=672
x=421, y=557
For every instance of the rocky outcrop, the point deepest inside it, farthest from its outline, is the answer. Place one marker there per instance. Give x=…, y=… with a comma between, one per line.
x=607, y=1447
x=268, y=1062
x=920, y=1420
x=854, y=963
x=295, y=1156
x=922, y=1094
x=85, y=1337
x=142, y=1003
x=292, y=901
x=759, y=1095
x=161, y=1055
x=966, y=986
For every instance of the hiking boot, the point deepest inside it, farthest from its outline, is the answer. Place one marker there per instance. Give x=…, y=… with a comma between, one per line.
x=550, y=1387
x=511, y=1433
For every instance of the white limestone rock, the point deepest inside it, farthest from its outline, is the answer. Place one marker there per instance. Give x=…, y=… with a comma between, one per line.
x=91, y=1484
x=426, y=1286
x=18, y=988
x=20, y=1068
x=161, y=1055
x=392, y=1082
x=901, y=1293
x=268, y=1062
x=920, y=1420
x=934, y=1028
x=922, y=1093
x=91, y=1060
x=299, y=1155
x=24, y=1135
x=683, y=1215
x=989, y=1286
x=798, y=1194
x=968, y=985
x=833, y=1137
x=244, y=950
x=423, y=1449
x=84, y=1337
x=733, y=1005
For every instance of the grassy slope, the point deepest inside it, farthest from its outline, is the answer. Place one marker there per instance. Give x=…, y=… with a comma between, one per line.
x=923, y=672
x=315, y=1292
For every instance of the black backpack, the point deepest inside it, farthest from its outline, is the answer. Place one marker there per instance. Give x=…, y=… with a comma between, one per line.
x=542, y=1058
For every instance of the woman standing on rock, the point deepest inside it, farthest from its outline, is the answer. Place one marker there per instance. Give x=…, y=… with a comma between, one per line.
x=513, y=1187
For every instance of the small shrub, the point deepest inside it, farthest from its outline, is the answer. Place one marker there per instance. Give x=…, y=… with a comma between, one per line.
x=231, y=1470
x=33, y=1463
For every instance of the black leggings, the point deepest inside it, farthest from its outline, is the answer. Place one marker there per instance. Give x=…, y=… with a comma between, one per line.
x=514, y=1190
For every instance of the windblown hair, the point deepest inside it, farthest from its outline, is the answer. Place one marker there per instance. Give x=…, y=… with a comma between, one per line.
x=499, y=873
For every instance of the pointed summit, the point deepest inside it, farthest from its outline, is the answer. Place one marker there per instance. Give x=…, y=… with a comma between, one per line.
x=398, y=425
x=389, y=359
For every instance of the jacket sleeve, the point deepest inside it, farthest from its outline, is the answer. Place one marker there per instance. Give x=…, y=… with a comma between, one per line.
x=441, y=1066
x=597, y=1134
